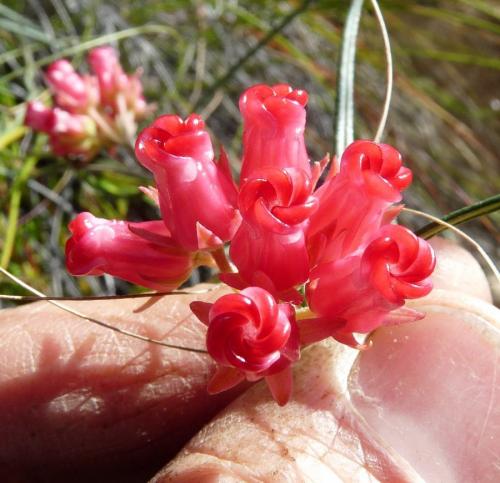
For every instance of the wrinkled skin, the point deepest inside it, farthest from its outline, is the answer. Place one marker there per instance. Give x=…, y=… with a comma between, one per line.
x=80, y=403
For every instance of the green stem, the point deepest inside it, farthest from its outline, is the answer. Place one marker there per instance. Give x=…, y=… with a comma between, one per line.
x=462, y=215
x=14, y=206
x=304, y=313
x=12, y=135
x=220, y=258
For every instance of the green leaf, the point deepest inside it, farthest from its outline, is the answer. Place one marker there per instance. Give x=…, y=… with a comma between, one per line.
x=462, y=215
x=344, y=129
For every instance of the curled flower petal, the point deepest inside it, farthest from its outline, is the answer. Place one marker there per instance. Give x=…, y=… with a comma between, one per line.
x=251, y=336
x=399, y=264
x=277, y=198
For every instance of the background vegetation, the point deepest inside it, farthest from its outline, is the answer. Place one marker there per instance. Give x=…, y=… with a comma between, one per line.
x=200, y=55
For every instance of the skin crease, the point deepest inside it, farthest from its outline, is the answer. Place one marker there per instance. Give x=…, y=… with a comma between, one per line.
x=81, y=403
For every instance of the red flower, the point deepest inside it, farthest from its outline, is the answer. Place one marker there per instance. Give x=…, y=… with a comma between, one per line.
x=197, y=196
x=251, y=336
x=141, y=253
x=274, y=119
x=354, y=203
x=356, y=293
x=269, y=249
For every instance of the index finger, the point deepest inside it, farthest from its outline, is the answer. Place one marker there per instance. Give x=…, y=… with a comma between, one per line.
x=75, y=397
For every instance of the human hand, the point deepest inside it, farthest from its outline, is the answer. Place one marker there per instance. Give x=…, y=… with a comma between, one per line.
x=80, y=403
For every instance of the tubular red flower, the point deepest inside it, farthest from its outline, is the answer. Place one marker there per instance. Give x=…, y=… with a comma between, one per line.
x=141, y=253
x=356, y=293
x=252, y=334
x=269, y=249
x=72, y=91
x=197, y=196
x=354, y=203
x=273, y=128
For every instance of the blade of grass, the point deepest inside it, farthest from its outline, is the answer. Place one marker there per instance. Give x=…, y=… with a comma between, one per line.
x=462, y=215
x=465, y=58
x=103, y=39
x=25, y=31
x=344, y=126
x=448, y=226
x=11, y=136
x=14, y=16
x=389, y=71
x=14, y=206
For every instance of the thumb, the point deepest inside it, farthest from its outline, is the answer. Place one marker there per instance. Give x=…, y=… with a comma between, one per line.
x=421, y=404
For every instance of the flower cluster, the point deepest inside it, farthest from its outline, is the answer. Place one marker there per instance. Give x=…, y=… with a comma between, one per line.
x=311, y=263
x=90, y=111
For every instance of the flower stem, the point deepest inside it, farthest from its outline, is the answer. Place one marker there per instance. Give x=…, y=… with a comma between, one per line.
x=304, y=313
x=220, y=258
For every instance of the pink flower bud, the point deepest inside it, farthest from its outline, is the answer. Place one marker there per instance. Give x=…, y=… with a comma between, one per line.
x=114, y=82
x=357, y=293
x=353, y=204
x=269, y=249
x=70, y=134
x=251, y=336
x=141, y=253
x=39, y=117
x=72, y=91
x=106, y=66
x=273, y=128
x=197, y=196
